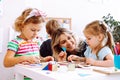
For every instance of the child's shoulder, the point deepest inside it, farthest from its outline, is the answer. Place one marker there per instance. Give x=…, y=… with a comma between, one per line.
x=16, y=40
x=103, y=52
x=106, y=48
x=37, y=41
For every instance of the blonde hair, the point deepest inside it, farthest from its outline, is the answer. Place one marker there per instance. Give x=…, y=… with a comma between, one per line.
x=55, y=40
x=51, y=26
x=99, y=27
x=30, y=15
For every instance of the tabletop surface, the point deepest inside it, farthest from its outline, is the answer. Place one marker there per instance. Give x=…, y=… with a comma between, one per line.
x=86, y=73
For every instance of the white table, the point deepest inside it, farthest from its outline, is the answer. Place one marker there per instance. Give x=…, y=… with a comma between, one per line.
x=79, y=74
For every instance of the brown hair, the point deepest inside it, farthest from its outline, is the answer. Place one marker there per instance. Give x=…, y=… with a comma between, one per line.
x=55, y=40
x=99, y=27
x=51, y=26
x=23, y=19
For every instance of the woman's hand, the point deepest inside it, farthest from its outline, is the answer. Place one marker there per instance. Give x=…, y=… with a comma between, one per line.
x=62, y=56
x=73, y=58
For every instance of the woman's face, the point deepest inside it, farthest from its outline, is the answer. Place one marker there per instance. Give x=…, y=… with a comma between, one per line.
x=67, y=41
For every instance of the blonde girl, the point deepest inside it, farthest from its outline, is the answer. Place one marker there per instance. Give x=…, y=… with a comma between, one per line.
x=99, y=40
x=24, y=48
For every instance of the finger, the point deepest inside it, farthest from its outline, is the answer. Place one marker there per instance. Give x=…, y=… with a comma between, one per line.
x=52, y=58
x=68, y=58
x=26, y=63
x=61, y=54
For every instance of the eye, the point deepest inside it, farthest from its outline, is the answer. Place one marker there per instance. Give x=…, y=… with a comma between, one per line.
x=33, y=30
x=38, y=30
x=88, y=38
x=62, y=42
x=69, y=38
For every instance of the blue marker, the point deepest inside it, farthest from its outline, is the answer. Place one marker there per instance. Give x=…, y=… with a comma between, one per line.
x=64, y=49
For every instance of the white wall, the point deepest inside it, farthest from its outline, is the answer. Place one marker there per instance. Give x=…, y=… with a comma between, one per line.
x=81, y=12
x=11, y=9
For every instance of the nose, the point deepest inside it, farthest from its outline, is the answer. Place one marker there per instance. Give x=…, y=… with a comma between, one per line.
x=69, y=42
x=35, y=33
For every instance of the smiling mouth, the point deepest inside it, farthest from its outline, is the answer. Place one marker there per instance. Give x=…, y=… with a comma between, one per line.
x=70, y=47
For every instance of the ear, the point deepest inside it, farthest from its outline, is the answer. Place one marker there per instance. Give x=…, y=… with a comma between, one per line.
x=100, y=37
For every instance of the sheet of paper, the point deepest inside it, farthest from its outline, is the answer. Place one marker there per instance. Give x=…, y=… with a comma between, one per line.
x=106, y=70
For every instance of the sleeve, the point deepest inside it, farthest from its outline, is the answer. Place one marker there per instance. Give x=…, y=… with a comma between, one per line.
x=104, y=52
x=12, y=45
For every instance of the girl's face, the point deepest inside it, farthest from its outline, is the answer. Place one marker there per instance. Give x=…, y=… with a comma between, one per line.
x=92, y=41
x=67, y=41
x=30, y=31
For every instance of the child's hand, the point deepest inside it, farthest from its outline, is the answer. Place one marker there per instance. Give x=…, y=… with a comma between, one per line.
x=62, y=56
x=30, y=60
x=48, y=58
x=90, y=61
x=73, y=58
x=25, y=62
x=34, y=59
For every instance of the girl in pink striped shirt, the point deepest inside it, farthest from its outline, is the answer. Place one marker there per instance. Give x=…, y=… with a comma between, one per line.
x=25, y=47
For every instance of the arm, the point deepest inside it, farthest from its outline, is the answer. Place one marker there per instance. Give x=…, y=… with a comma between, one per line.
x=10, y=59
x=76, y=58
x=108, y=62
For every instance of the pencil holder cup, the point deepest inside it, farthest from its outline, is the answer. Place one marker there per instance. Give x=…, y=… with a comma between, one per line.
x=117, y=61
